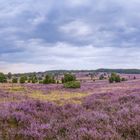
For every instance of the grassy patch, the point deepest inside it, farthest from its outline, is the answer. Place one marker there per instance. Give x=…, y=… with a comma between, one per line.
x=17, y=89
x=59, y=97
x=13, y=88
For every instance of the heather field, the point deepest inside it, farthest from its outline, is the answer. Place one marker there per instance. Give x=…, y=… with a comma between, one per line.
x=96, y=111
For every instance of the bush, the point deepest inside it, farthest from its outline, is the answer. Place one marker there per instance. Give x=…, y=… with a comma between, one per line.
x=72, y=84
x=22, y=79
x=9, y=75
x=49, y=80
x=2, y=78
x=117, y=79
x=114, y=78
x=68, y=78
x=32, y=79
x=25, y=77
x=111, y=79
x=14, y=80
x=123, y=79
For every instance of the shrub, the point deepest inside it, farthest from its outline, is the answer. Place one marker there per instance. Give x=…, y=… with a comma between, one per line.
x=48, y=79
x=29, y=80
x=32, y=79
x=114, y=78
x=111, y=79
x=9, y=75
x=72, y=84
x=123, y=79
x=117, y=79
x=14, y=80
x=68, y=77
x=25, y=77
x=62, y=80
x=22, y=79
x=2, y=78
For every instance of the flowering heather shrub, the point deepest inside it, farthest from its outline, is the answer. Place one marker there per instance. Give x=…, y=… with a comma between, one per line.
x=8, y=97
x=100, y=117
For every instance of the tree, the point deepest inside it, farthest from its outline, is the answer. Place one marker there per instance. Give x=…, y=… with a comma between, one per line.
x=69, y=81
x=49, y=79
x=14, y=80
x=68, y=78
x=22, y=79
x=114, y=78
x=25, y=77
x=123, y=79
x=62, y=79
x=9, y=75
x=111, y=79
x=33, y=79
x=117, y=79
x=2, y=78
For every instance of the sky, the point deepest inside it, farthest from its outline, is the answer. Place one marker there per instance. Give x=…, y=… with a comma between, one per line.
x=40, y=35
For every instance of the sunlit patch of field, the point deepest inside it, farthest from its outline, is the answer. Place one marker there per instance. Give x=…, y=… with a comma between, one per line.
x=23, y=93
x=16, y=89
x=12, y=93
x=13, y=88
x=59, y=97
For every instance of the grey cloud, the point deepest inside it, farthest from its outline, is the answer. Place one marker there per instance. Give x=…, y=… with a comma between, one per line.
x=55, y=34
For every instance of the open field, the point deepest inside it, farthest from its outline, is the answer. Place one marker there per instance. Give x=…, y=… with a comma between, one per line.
x=96, y=111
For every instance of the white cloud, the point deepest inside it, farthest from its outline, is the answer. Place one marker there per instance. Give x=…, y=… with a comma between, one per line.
x=76, y=29
x=41, y=56
x=21, y=67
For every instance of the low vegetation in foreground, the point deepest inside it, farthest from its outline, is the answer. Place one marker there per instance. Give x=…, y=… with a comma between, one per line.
x=98, y=117
x=77, y=110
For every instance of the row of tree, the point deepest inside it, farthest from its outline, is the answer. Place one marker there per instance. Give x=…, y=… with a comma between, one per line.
x=69, y=80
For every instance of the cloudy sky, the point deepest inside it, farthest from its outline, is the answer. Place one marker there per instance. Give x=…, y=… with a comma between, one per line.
x=39, y=35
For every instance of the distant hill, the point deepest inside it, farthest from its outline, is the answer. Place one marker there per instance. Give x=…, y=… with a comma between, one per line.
x=59, y=72
x=124, y=71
